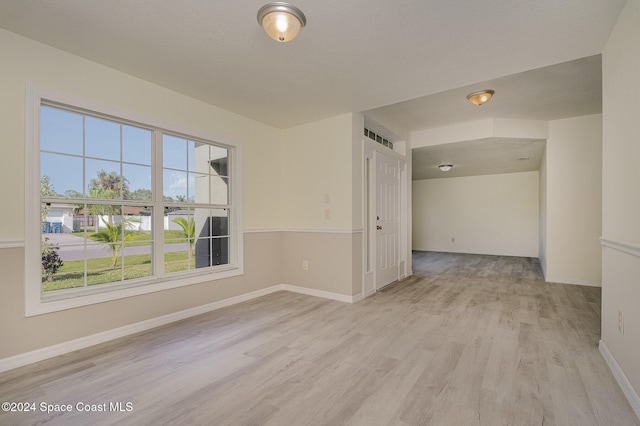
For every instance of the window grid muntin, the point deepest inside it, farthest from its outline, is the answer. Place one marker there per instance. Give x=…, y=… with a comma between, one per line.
x=195, y=172
x=156, y=202
x=83, y=113
x=122, y=265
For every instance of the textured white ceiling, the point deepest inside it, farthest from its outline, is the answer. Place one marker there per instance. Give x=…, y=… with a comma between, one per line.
x=354, y=55
x=478, y=157
x=555, y=92
x=569, y=89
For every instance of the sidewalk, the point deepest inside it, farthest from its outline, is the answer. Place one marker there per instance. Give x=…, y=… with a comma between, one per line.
x=73, y=247
x=67, y=239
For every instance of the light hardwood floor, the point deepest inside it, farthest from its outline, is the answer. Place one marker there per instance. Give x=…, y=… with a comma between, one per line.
x=468, y=340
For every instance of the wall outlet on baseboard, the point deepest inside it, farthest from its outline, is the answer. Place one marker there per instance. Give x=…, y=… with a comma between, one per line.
x=305, y=265
x=620, y=322
x=453, y=239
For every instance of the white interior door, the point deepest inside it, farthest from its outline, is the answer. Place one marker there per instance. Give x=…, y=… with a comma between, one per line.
x=387, y=219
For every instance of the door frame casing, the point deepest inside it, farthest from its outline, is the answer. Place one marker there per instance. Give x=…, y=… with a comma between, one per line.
x=370, y=151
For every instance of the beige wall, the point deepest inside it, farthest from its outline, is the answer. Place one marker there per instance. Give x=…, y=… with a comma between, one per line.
x=19, y=334
x=542, y=250
x=40, y=65
x=291, y=179
x=322, y=204
x=491, y=214
x=357, y=190
x=621, y=196
x=569, y=207
x=332, y=259
x=317, y=181
x=481, y=129
x=27, y=61
x=574, y=200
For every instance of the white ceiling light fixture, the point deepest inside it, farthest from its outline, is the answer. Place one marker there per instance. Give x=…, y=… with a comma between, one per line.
x=281, y=21
x=445, y=167
x=481, y=97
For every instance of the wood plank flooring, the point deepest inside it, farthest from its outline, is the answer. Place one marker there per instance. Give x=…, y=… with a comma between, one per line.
x=468, y=340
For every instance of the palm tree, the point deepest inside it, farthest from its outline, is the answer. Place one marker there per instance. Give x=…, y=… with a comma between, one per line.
x=46, y=190
x=108, y=185
x=189, y=231
x=112, y=183
x=114, y=236
x=99, y=209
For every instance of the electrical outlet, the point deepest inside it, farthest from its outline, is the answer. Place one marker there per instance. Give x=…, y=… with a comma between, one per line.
x=620, y=322
x=453, y=240
x=305, y=265
x=327, y=214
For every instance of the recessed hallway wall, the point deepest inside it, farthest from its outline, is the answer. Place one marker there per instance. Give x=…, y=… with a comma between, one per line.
x=491, y=214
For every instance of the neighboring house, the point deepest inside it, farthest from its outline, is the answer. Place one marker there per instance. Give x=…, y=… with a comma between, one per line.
x=59, y=219
x=141, y=219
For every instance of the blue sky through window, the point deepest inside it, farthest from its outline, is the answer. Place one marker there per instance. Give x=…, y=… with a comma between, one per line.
x=75, y=147
x=68, y=138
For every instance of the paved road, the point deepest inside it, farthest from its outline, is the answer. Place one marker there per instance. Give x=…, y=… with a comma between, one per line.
x=72, y=247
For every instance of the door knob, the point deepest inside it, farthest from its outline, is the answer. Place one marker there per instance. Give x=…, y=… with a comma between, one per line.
x=378, y=227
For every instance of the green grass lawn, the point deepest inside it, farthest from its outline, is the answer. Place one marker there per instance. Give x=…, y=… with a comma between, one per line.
x=99, y=270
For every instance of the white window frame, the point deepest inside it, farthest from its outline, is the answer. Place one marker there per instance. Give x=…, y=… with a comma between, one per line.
x=35, y=302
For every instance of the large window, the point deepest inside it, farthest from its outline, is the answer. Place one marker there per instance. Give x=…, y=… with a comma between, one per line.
x=125, y=206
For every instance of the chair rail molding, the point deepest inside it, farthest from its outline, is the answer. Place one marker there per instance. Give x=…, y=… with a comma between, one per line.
x=307, y=230
x=623, y=246
x=5, y=244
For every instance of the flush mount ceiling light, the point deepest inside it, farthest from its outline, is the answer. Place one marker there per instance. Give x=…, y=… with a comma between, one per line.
x=481, y=97
x=281, y=21
x=445, y=167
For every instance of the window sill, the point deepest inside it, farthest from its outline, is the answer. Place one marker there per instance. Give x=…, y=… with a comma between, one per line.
x=69, y=299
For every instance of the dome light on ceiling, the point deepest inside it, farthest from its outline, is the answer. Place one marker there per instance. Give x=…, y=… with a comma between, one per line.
x=281, y=21
x=481, y=97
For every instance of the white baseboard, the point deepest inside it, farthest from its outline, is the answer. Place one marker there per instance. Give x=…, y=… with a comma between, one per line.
x=622, y=380
x=357, y=297
x=404, y=277
x=369, y=293
x=571, y=281
x=94, y=339
x=321, y=293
